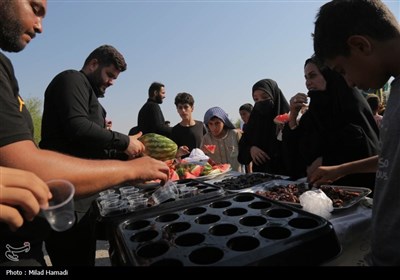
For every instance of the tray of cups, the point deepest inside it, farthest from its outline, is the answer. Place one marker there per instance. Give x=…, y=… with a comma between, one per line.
x=128, y=198
x=235, y=230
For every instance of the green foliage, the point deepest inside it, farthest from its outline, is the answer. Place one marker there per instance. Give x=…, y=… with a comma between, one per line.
x=34, y=105
x=237, y=123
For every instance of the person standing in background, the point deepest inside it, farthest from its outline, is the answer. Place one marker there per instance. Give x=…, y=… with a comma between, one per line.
x=260, y=144
x=188, y=133
x=245, y=111
x=223, y=134
x=150, y=117
x=74, y=123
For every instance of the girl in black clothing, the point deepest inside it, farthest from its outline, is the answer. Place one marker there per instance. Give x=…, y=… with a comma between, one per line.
x=260, y=144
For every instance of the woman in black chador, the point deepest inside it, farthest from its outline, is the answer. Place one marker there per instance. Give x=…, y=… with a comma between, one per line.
x=338, y=127
x=260, y=143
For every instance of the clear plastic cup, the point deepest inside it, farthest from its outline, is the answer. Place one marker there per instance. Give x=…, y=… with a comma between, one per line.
x=138, y=203
x=110, y=196
x=107, y=192
x=61, y=213
x=186, y=192
x=134, y=196
x=166, y=192
x=114, y=207
x=128, y=190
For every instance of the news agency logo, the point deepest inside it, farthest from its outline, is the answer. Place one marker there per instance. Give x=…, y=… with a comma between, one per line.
x=12, y=252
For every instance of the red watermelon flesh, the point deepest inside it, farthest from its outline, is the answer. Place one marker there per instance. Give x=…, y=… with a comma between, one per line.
x=173, y=175
x=210, y=148
x=196, y=170
x=282, y=118
x=223, y=167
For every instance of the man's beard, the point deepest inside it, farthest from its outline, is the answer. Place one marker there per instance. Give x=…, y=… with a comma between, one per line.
x=10, y=30
x=95, y=81
x=158, y=99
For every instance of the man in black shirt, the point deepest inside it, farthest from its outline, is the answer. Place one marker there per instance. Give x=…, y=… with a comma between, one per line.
x=150, y=117
x=73, y=118
x=74, y=122
x=19, y=22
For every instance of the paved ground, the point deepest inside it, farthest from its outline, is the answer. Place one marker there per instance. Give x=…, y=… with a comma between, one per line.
x=102, y=257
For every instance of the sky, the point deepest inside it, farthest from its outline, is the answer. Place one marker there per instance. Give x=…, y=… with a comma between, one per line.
x=214, y=50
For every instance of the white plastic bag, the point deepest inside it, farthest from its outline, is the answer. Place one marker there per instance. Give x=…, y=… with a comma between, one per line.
x=197, y=156
x=317, y=202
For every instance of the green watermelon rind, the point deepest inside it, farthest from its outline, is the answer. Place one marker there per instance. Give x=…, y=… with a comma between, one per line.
x=158, y=146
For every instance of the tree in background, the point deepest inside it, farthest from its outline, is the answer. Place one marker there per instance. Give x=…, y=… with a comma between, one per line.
x=34, y=105
x=237, y=123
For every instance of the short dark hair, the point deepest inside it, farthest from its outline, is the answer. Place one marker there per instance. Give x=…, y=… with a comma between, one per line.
x=337, y=20
x=184, y=98
x=155, y=86
x=107, y=55
x=246, y=107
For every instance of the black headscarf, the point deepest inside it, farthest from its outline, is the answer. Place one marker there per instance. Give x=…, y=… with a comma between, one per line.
x=261, y=131
x=270, y=87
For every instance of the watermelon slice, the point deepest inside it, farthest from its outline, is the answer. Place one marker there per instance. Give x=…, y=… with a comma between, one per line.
x=210, y=148
x=173, y=176
x=188, y=175
x=223, y=167
x=282, y=119
x=196, y=170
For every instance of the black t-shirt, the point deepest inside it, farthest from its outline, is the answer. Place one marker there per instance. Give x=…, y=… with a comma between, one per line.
x=151, y=119
x=16, y=122
x=190, y=136
x=74, y=120
x=16, y=125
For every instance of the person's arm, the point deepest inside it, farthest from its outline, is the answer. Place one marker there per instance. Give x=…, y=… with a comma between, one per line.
x=296, y=103
x=88, y=176
x=22, y=189
x=329, y=174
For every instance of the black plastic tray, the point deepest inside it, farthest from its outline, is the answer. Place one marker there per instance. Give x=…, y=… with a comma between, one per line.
x=235, y=230
x=240, y=182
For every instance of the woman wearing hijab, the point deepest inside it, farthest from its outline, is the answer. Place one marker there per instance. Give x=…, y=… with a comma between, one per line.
x=338, y=127
x=260, y=143
x=222, y=135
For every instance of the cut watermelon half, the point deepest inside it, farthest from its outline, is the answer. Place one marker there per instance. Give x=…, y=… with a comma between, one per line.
x=210, y=148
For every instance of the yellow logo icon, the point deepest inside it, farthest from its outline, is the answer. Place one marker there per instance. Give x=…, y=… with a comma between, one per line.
x=21, y=103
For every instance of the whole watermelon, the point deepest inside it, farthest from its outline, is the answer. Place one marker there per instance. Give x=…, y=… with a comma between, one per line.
x=158, y=146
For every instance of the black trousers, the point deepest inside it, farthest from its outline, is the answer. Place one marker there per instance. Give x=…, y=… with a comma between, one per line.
x=76, y=246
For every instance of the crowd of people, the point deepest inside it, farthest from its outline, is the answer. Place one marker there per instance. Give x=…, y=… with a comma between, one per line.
x=339, y=139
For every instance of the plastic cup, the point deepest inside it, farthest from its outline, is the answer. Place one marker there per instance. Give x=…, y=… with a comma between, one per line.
x=137, y=203
x=128, y=190
x=134, y=196
x=109, y=196
x=60, y=214
x=186, y=192
x=107, y=192
x=166, y=192
x=114, y=207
